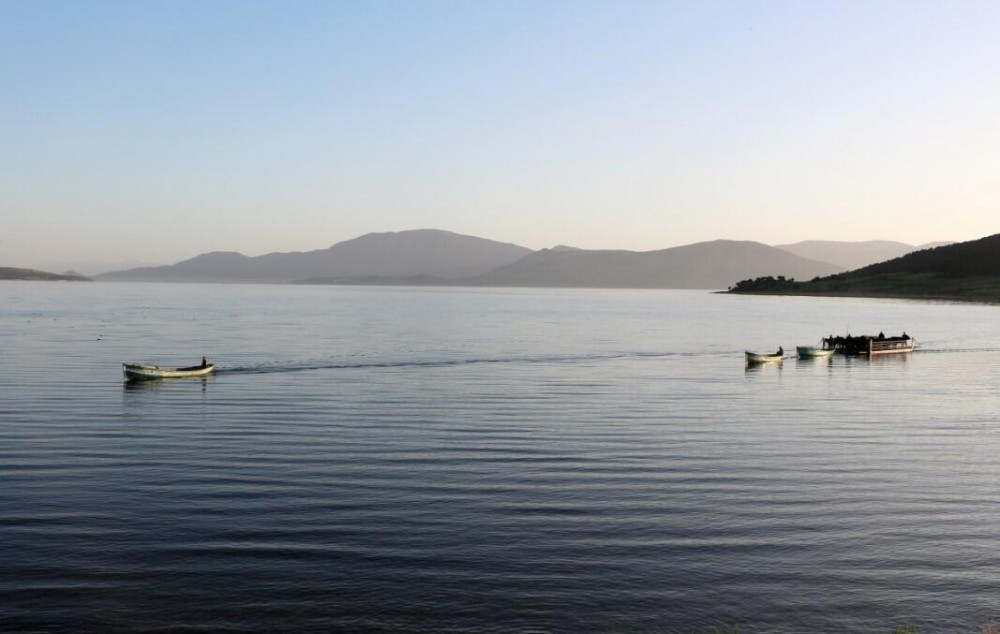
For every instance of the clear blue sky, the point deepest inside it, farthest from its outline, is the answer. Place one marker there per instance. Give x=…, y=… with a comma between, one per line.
x=153, y=131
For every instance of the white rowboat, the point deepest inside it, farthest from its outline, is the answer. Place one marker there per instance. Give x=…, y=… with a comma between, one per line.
x=753, y=358
x=146, y=372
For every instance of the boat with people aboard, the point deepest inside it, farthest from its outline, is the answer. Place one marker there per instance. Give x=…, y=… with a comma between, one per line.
x=146, y=371
x=870, y=345
x=754, y=358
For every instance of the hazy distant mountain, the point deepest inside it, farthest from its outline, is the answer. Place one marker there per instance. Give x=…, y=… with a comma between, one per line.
x=423, y=252
x=934, y=245
x=853, y=255
x=380, y=280
x=709, y=265
x=10, y=273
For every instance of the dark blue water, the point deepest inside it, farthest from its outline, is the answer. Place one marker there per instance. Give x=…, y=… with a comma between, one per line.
x=400, y=460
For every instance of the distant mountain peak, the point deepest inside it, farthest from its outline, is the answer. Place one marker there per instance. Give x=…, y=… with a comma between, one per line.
x=403, y=254
x=220, y=255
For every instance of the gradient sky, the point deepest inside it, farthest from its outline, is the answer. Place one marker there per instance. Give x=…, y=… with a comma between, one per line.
x=149, y=132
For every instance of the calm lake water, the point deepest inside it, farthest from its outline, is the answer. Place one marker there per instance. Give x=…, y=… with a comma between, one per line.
x=468, y=460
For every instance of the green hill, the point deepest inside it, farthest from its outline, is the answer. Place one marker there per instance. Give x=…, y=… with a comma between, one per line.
x=967, y=271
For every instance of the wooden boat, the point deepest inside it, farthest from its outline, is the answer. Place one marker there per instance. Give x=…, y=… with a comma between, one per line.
x=753, y=358
x=871, y=345
x=146, y=372
x=810, y=352
x=893, y=345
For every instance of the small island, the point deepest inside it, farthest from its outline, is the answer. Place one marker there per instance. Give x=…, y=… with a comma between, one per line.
x=11, y=273
x=966, y=271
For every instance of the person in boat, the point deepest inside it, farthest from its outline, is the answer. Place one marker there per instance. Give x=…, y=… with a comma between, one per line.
x=881, y=336
x=780, y=352
x=204, y=361
x=905, y=336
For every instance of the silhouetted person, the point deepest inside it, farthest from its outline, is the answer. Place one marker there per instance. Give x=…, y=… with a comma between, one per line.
x=881, y=336
x=204, y=362
x=780, y=352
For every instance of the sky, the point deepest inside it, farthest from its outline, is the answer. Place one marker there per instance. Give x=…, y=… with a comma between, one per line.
x=142, y=132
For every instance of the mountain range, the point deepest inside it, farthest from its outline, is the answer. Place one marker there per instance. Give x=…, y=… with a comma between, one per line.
x=430, y=256
x=711, y=265
x=427, y=252
x=435, y=257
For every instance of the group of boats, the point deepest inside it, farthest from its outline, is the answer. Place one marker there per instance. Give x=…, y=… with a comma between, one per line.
x=857, y=345
x=829, y=346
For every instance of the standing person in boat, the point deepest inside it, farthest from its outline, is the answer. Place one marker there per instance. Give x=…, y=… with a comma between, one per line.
x=204, y=361
x=780, y=352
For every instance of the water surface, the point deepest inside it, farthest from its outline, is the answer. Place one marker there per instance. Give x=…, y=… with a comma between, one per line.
x=469, y=460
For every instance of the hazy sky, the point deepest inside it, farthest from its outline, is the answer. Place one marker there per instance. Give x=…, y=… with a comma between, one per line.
x=153, y=131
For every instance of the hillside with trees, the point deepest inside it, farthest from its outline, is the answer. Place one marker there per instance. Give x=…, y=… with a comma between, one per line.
x=962, y=271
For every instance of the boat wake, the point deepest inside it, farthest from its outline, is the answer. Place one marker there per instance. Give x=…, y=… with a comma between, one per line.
x=279, y=367
x=955, y=350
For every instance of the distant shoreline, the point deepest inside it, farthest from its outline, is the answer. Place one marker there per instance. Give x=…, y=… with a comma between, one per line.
x=987, y=299
x=931, y=298
x=31, y=275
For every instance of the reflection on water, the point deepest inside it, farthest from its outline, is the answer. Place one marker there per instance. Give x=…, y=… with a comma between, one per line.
x=751, y=368
x=158, y=384
x=891, y=358
x=814, y=360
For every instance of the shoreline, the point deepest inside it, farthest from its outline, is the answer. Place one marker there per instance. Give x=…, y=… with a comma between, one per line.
x=930, y=297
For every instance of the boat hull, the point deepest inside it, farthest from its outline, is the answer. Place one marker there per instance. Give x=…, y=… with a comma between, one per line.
x=891, y=347
x=869, y=345
x=809, y=352
x=754, y=358
x=146, y=372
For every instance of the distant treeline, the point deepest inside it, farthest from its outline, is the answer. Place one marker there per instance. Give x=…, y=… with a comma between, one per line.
x=764, y=284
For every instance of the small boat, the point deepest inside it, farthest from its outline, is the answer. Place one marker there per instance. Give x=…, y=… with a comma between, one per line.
x=754, y=358
x=146, y=372
x=810, y=352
